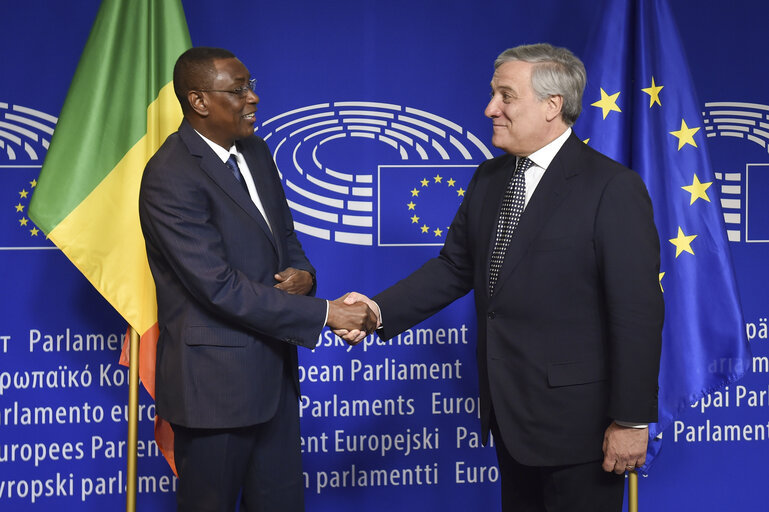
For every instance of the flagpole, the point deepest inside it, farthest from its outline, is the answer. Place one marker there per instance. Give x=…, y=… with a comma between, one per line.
x=632, y=485
x=133, y=420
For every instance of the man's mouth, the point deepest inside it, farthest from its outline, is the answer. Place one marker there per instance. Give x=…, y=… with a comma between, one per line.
x=249, y=117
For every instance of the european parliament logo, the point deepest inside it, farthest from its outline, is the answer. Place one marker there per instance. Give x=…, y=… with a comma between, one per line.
x=25, y=134
x=743, y=188
x=368, y=173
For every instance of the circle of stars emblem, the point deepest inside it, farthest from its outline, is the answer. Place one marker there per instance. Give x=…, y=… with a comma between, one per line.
x=423, y=185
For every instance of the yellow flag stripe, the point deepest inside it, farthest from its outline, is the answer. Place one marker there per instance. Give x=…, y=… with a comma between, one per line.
x=103, y=238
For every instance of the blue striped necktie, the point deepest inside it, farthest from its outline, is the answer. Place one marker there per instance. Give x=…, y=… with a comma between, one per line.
x=232, y=163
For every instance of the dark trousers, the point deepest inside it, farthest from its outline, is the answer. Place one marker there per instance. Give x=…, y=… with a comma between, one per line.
x=573, y=488
x=261, y=464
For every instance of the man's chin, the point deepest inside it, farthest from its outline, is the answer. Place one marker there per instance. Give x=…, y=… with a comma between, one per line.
x=499, y=143
x=246, y=133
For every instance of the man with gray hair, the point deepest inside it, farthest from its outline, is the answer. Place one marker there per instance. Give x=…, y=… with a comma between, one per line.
x=559, y=245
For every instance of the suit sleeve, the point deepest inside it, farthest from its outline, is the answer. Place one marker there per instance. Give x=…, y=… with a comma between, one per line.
x=176, y=217
x=436, y=284
x=627, y=248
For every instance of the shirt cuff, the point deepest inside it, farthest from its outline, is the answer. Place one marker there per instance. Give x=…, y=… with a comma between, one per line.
x=379, y=318
x=631, y=424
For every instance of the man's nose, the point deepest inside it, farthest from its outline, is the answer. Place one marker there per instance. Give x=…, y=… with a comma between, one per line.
x=492, y=110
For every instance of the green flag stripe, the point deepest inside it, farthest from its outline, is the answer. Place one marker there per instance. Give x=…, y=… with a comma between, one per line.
x=129, y=56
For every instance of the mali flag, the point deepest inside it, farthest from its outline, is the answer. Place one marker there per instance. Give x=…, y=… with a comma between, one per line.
x=119, y=110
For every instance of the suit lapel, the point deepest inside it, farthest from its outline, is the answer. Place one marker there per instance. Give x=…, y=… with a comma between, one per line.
x=549, y=194
x=222, y=176
x=264, y=187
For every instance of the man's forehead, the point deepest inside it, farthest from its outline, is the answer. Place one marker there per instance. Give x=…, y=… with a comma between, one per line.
x=501, y=81
x=509, y=73
x=230, y=69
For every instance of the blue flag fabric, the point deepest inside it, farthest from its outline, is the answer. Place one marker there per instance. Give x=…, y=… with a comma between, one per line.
x=641, y=109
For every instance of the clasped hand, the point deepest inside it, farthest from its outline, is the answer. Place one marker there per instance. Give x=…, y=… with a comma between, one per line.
x=294, y=281
x=344, y=317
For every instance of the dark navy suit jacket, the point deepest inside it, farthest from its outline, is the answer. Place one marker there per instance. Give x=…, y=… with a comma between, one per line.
x=226, y=334
x=571, y=337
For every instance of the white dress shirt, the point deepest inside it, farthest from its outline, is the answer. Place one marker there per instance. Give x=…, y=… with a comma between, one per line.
x=541, y=159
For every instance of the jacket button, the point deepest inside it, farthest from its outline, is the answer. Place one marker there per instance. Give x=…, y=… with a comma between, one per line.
x=492, y=315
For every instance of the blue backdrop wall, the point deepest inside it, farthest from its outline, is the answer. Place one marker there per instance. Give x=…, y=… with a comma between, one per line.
x=391, y=93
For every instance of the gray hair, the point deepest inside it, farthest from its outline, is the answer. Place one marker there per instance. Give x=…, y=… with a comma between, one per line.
x=557, y=72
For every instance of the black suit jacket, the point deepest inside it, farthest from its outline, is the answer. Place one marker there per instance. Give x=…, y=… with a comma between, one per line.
x=571, y=337
x=225, y=332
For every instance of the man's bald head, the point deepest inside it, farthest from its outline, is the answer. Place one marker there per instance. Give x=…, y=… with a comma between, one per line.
x=195, y=69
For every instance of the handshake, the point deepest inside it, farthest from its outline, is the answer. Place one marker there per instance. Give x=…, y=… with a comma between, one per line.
x=353, y=316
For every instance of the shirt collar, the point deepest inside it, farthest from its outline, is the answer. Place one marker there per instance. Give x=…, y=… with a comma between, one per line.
x=544, y=155
x=222, y=153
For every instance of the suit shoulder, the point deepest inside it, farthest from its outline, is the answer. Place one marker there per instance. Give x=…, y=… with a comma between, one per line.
x=604, y=168
x=171, y=168
x=497, y=161
x=599, y=160
x=168, y=154
x=254, y=142
x=493, y=165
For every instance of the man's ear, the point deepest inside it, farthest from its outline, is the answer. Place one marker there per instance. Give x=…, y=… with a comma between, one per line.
x=198, y=103
x=554, y=106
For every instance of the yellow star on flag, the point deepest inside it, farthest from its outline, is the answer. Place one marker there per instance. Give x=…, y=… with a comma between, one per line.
x=586, y=140
x=698, y=190
x=23, y=221
x=33, y=183
x=23, y=194
x=414, y=219
x=607, y=103
x=425, y=228
x=662, y=274
x=34, y=231
x=451, y=182
x=19, y=207
x=654, y=93
x=415, y=193
x=683, y=242
x=438, y=178
x=411, y=205
x=438, y=232
x=685, y=135
x=461, y=192
x=424, y=182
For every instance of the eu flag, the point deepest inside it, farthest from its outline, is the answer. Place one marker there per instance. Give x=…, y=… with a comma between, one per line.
x=641, y=109
x=417, y=202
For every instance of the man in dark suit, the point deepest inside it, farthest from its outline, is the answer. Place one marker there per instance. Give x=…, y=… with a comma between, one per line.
x=234, y=291
x=559, y=245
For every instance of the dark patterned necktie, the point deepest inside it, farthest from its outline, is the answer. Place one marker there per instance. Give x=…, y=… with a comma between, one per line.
x=509, y=215
x=232, y=163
